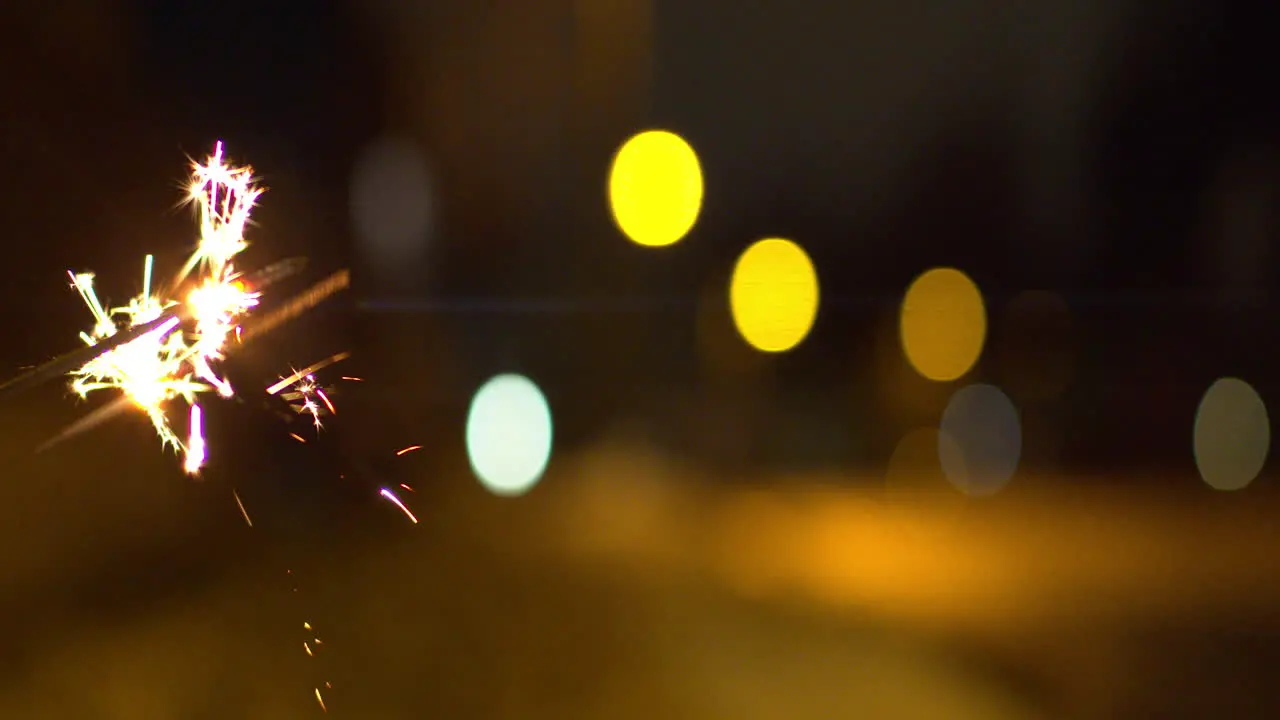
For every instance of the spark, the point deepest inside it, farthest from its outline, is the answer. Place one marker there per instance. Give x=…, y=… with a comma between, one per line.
x=309, y=370
x=225, y=196
x=352, y=379
x=386, y=493
x=243, y=512
x=304, y=390
x=304, y=396
x=147, y=370
x=306, y=646
x=406, y=487
x=409, y=449
x=320, y=393
x=298, y=437
x=177, y=359
x=195, y=442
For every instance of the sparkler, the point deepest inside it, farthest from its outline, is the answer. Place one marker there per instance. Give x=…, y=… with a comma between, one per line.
x=176, y=360
x=163, y=346
x=68, y=362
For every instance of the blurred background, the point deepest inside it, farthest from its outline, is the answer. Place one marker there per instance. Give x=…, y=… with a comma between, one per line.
x=765, y=360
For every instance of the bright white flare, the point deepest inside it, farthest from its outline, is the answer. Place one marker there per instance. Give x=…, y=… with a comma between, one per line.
x=177, y=359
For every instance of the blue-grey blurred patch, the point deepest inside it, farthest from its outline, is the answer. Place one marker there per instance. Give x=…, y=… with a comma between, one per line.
x=980, y=439
x=392, y=210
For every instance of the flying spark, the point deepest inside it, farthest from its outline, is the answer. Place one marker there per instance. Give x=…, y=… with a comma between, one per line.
x=390, y=496
x=309, y=370
x=243, y=512
x=304, y=394
x=195, y=441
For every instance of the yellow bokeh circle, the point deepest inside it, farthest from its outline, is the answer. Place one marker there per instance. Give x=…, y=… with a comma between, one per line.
x=655, y=188
x=943, y=324
x=773, y=295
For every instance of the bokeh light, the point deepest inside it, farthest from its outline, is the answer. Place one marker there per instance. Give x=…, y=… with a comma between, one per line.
x=773, y=295
x=1232, y=434
x=943, y=324
x=914, y=467
x=655, y=188
x=980, y=439
x=509, y=434
x=392, y=207
x=914, y=480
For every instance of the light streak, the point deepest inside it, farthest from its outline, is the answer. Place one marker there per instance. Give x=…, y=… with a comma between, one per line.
x=243, y=512
x=411, y=448
x=88, y=422
x=309, y=370
x=196, y=451
x=386, y=493
x=176, y=360
x=320, y=700
x=324, y=397
x=303, y=302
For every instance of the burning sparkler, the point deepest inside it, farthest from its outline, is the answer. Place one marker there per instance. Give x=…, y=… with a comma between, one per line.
x=176, y=360
x=163, y=346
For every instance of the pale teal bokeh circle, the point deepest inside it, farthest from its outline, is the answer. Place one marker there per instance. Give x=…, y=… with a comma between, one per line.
x=509, y=433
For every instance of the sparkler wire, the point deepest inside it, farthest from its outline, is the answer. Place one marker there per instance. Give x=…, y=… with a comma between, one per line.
x=67, y=362
x=297, y=305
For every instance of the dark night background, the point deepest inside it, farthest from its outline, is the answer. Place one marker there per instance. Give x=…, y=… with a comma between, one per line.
x=702, y=545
